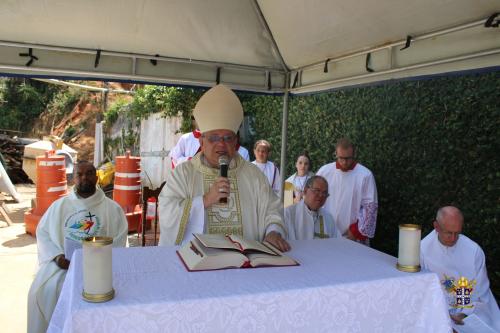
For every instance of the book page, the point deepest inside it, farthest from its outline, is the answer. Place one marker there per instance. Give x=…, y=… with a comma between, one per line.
x=197, y=257
x=473, y=324
x=247, y=244
x=263, y=259
x=216, y=241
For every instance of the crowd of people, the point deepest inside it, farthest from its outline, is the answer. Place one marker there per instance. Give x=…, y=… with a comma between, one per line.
x=340, y=200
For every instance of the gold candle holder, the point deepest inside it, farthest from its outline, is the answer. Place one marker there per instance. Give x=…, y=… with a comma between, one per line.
x=409, y=248
x=97, y=269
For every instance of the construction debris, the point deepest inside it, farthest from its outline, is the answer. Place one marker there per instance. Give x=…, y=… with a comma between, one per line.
x=11, y=156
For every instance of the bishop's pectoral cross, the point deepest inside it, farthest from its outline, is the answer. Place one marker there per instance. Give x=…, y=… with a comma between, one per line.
x=321, y=233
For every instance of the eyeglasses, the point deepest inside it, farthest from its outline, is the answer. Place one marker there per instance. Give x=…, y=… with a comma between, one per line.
x=217, y=138
x=317, y=191
x=348, y=158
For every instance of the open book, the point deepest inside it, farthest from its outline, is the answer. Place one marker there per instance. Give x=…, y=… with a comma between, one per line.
x=209, y=252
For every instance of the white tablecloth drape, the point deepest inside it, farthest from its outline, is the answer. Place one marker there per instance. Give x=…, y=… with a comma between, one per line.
x=340, y=286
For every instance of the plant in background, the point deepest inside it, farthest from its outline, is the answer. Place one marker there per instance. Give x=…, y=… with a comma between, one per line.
x=171, y=101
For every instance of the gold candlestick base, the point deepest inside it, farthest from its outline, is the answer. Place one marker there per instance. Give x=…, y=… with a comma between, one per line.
x=408, y=268
x=98, y=298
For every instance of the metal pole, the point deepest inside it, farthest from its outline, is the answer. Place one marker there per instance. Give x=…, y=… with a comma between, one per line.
x=284, y=132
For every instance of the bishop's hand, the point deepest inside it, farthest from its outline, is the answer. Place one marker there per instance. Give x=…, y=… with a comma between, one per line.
x=219, y=189
x=277, y=241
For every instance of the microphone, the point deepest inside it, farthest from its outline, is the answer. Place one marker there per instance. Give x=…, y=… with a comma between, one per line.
x=223, y=166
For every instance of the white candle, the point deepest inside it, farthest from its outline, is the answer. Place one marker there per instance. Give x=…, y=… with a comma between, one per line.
x=97, y=269
x=409, y=247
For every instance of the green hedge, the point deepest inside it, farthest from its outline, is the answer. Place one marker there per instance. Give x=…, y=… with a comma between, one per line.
x=429, y=143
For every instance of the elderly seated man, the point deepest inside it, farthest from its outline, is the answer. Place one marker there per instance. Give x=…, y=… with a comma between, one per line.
x=306, y=219
x=459, y=263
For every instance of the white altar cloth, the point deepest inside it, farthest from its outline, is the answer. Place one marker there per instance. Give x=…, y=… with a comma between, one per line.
x=340, y=286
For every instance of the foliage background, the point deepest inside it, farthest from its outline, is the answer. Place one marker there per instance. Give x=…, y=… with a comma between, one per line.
x=429, y=143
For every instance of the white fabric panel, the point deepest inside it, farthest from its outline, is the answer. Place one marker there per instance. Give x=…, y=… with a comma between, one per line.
x=314, y=30
x=195, y=37
x=158, y=137
x=218, y=30
x=340, y=286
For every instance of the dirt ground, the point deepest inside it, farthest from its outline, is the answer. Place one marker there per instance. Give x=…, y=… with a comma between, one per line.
x=18, y=259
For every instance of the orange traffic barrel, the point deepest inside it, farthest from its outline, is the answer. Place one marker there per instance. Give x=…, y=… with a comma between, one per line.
x=51, y=185
x=127, y=188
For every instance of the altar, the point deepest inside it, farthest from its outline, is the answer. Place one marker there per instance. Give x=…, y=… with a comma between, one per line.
x=340, y=286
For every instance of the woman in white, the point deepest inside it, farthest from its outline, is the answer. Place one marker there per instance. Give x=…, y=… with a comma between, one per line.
x=299, y=178
x=262, y=149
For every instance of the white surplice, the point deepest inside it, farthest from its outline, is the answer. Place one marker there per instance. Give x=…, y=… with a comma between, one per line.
x=303, y=223
x=185, y=149
x=464, y=259
x=299, y=182
x=353, y=197
x=188, y=145
x=71, y=218
x=252, y=209
x=272, y=174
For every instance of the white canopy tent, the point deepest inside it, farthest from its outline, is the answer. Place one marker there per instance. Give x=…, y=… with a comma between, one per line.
x=271, y=46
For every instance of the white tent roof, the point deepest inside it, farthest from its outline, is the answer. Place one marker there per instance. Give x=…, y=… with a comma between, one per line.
x=247, y=44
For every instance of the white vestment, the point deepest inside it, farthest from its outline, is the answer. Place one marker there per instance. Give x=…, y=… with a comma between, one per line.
x=272, y=174
x=353, y=198
x=188, y=145
x=252, y=209
x=299, y=182
x=464, y=259
x=72, y=219
x=303, y=223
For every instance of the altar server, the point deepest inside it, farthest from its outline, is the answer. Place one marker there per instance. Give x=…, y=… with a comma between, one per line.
x=353, y=194
x=262, y=150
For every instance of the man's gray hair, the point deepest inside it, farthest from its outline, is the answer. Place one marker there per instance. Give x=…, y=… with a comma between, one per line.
x=310, y=181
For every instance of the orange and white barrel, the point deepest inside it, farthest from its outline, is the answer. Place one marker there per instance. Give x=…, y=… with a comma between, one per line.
x=127, y=188
x=51, y=185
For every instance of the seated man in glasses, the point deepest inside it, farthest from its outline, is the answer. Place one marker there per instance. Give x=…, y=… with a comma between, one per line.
x=306, y=219
x=197, y=199
x=353, y=194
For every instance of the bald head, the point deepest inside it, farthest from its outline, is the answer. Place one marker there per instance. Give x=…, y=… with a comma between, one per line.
x=448, y=225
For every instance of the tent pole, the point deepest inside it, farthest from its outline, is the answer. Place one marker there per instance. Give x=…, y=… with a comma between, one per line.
x=284, y=132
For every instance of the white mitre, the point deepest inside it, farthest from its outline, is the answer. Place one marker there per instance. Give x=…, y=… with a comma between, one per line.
x=218, y=108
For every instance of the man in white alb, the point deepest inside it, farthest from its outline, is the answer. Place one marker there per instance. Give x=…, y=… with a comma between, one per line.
x=189, y=145
x=353, y=194
x=191, y=201
x=459, y=262
x=306, y=219
x=85, y=212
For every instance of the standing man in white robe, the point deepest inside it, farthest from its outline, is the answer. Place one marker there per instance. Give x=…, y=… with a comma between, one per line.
x=189, y=145
x=306, y=219
x=85, y=212
x=453, y=256
x=353, y=194
x=191, y=201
